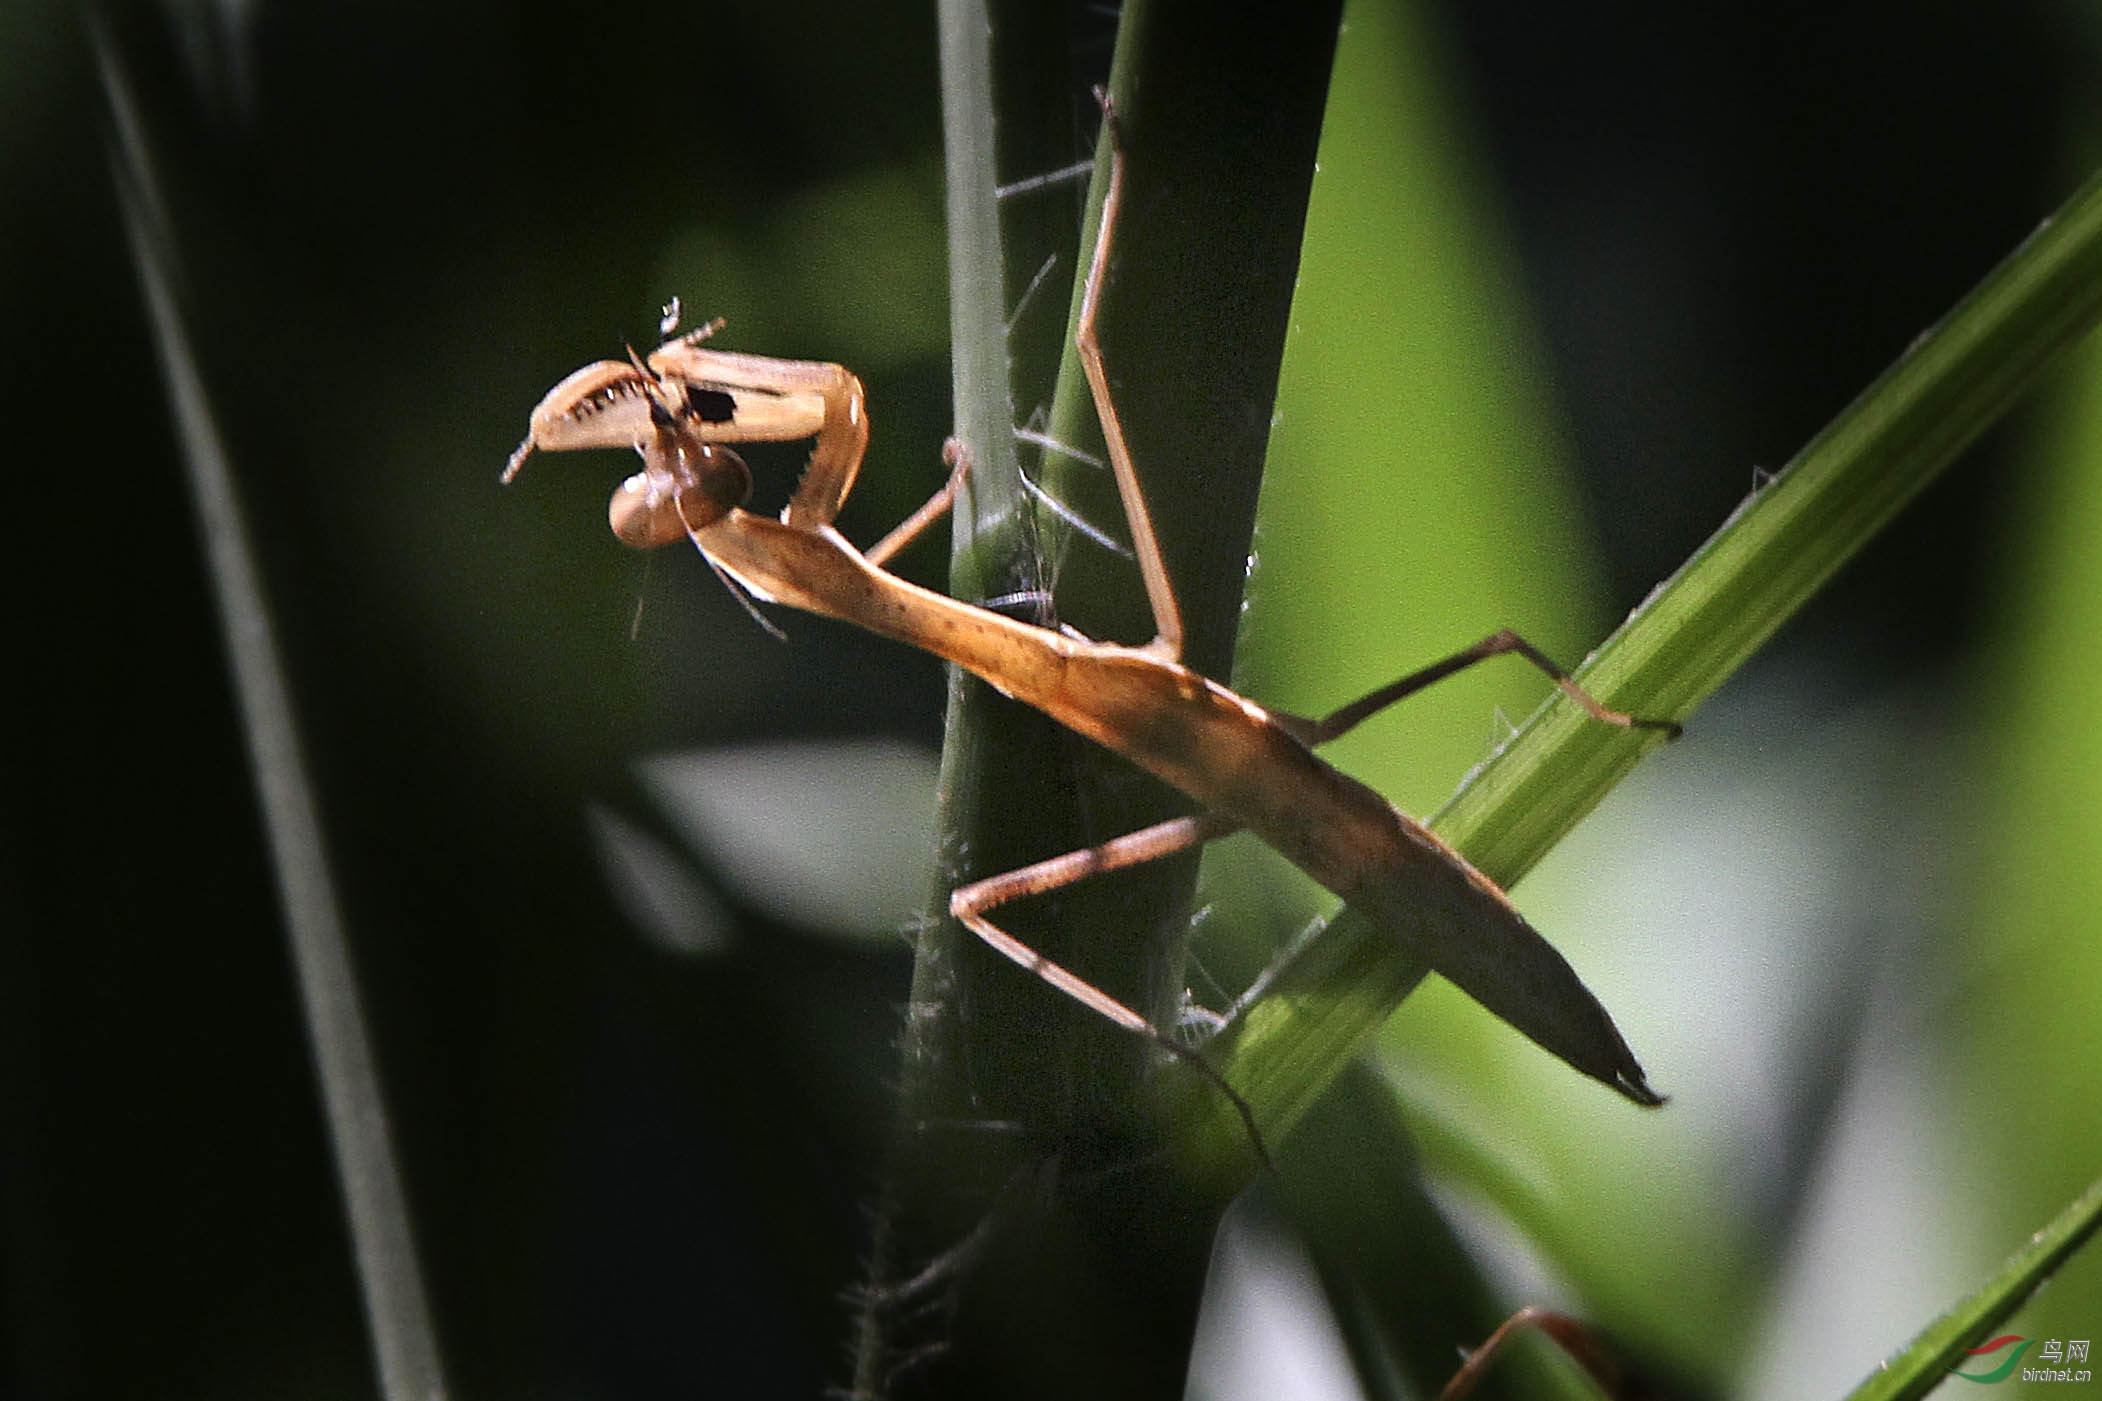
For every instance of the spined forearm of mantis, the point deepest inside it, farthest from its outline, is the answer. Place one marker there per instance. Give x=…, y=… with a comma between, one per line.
x=1246, y=767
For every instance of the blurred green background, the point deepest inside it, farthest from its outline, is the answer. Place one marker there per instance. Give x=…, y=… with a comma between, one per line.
x=1571, y=280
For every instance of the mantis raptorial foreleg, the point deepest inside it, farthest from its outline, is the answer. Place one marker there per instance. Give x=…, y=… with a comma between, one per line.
x=702, y=398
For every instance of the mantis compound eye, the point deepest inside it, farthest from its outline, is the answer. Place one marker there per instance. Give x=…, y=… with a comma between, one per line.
x=683, y=486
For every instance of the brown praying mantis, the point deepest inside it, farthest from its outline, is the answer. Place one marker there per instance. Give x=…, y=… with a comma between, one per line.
x=1247, y=767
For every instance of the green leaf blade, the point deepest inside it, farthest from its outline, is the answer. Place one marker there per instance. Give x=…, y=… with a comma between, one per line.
x=1758, y=569
x=1926, y=1361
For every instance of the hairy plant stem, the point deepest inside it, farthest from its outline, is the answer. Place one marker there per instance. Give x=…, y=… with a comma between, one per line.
x=1066, y=1258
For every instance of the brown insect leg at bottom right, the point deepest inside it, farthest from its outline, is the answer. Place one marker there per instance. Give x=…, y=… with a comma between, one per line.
x=1579, y=1342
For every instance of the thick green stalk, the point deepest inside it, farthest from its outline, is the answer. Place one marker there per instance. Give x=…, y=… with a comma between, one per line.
x=1067, y=1264
x=931, y=1200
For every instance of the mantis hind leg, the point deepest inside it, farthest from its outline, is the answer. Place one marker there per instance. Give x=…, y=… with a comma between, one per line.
x=969, y=904
x=1500, y=643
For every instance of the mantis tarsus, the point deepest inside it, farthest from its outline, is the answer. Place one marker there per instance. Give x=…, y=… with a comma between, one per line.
x=1246, y=766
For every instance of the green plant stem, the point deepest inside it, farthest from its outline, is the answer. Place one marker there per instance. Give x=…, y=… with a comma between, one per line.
x=905, y=1230
x=1924, y=1363
x=406, y=1354
x=1333, y=990
x=1068, y=1263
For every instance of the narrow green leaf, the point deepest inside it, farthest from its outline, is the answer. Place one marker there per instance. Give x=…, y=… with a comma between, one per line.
x=1925, y=1362
x=405, y=1347
x=1334, y=989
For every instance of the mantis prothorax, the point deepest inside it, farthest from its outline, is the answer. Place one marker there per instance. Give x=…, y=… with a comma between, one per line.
x=1247, y=767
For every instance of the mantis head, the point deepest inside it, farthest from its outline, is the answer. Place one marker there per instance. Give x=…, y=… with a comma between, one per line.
x=684, y=486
